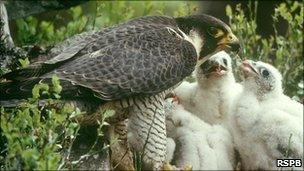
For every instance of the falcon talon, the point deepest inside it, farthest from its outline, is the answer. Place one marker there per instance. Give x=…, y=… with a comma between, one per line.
x=175, y=99
x=188, y=167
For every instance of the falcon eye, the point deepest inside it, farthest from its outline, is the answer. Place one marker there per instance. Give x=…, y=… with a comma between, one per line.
x=215, y=32
x=225, y=61
x=265, y=73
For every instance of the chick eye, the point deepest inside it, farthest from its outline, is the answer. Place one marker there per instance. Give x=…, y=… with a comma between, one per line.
x=265, y=73
x=215, y=32
x=225, y=61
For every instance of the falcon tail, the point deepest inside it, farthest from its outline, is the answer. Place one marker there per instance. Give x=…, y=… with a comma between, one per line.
x=13, y=93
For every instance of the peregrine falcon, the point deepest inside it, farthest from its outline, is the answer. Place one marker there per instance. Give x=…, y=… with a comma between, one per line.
x=132, y=64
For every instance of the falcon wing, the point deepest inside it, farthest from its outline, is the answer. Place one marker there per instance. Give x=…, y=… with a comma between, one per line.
x=89, y=42
x=145, y=64
x=92, y=41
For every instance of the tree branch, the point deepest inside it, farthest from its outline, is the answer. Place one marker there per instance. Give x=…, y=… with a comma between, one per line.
x=5, y=28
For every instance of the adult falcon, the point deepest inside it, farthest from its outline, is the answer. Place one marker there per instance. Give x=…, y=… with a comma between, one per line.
x=132, y=64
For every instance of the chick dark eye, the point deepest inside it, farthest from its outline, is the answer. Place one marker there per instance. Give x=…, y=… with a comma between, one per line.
x=225, y=61
x=265, y=73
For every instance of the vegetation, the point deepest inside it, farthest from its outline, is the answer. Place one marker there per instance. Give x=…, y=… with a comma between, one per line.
x=285, y=52
x=101, y=14
x=35, y=133
x=41, y=136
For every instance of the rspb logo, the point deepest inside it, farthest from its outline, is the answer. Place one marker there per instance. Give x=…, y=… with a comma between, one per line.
x=289, y=163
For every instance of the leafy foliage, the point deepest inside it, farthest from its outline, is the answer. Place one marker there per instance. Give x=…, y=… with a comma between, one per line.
x=32, y=31
x=111, y=13
x=37, y=135
x=40, y=134
x=285, y=52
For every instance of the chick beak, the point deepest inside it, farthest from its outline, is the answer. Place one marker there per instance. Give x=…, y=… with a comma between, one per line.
x=248, y=68
x=213, y=68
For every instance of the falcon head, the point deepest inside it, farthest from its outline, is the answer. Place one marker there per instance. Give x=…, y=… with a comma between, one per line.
x=214, y=34
x=216, y=66
x=261, y=77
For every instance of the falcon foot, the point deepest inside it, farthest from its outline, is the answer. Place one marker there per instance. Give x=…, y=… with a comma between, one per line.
x=167, y=166
x=174, y=97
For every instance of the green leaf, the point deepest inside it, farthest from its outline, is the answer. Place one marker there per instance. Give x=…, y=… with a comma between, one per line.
x=24, y=62
x=108, y=113
x=228, y=11
x=56, y=87
x=38, y=89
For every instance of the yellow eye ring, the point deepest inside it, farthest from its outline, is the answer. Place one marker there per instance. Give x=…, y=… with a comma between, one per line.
x=215, y=32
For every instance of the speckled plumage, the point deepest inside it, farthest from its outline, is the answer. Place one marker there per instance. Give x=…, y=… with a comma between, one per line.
x=127, y=60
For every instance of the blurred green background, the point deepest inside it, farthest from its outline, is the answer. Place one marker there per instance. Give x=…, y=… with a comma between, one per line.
x=270, y=31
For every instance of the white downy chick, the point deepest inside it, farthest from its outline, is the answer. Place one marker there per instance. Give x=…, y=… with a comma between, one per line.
x=266, y=124
x=198, y=144
x=211, y=96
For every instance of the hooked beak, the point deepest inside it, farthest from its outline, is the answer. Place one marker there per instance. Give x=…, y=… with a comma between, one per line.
x=230, y=43
x=248, y=68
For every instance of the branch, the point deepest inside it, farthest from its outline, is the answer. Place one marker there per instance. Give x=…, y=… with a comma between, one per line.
x=4, y=30
x=6, y=41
